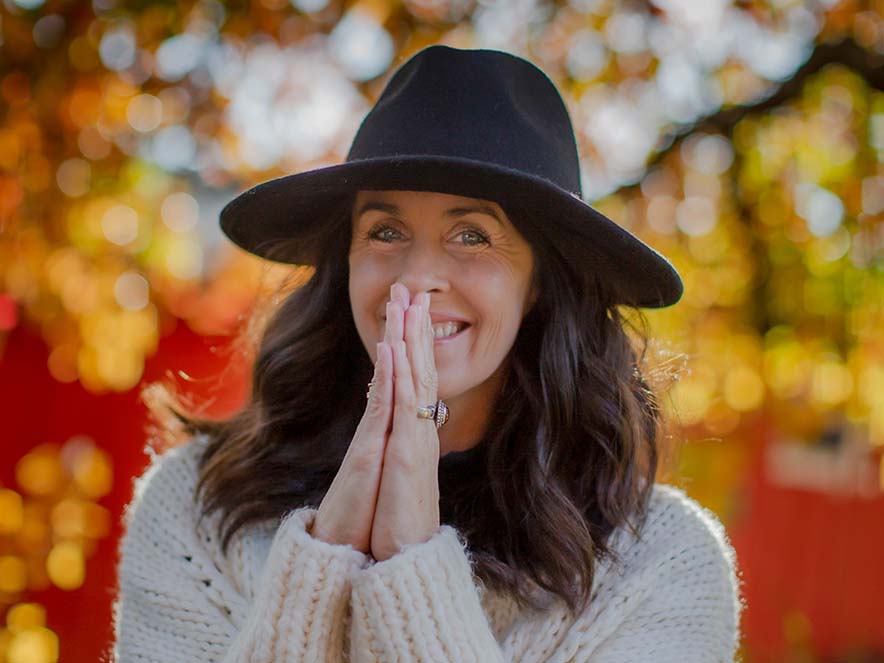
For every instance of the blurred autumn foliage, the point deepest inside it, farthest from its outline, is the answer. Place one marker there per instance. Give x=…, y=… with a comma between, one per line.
x=744, y=140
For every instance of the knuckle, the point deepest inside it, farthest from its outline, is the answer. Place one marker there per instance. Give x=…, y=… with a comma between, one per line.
x=376, y=396
x=429, y=381
x=376, y=406
x=400, y=460
x=364, y=463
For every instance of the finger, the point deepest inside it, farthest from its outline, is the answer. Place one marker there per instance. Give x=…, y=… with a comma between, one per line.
x=404, y=295
x=400, y=294
x=395, y=320
x=404, y=436
x=416, y=343
x=429, y=352
x=391, y=335
x=380, y=394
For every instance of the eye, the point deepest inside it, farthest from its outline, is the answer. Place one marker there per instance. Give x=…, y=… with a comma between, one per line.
x=379, y=233
x=483, y=239
x=375, y=233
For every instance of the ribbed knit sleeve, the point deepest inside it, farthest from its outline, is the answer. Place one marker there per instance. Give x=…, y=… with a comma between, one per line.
x=421, y=605
x=680, y=601
x=175, y=603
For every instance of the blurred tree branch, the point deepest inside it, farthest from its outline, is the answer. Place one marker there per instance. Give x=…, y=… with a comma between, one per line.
x=867, y=64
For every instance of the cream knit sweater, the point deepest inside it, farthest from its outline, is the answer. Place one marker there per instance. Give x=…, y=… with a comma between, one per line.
x=284, y=596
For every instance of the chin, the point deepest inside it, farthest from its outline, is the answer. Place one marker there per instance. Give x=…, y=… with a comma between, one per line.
x=444, y=392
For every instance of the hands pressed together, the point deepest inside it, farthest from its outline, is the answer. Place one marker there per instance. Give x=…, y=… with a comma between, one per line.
x=386, y=493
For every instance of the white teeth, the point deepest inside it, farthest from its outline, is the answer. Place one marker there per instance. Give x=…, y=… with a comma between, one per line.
x=444, y=329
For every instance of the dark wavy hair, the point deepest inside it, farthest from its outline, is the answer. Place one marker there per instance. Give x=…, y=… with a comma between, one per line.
x=573, y=447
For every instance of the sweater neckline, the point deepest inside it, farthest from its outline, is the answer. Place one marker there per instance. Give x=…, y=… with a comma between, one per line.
x=464, y=457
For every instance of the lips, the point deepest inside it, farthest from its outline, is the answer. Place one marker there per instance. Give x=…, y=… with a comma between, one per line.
x=446, y=339
x=440, y=321
x=457, y=328
x=439, y=316
x=454, y=337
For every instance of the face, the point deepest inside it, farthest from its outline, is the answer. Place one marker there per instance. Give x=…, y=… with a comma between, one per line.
x=477, y=269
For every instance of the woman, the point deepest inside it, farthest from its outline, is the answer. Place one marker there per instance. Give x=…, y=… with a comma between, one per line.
x=493, y=499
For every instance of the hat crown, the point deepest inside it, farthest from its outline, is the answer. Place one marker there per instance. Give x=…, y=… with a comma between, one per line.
x=477, y=104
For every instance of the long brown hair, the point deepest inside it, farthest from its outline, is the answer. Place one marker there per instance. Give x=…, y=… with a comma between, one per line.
x=571, y=454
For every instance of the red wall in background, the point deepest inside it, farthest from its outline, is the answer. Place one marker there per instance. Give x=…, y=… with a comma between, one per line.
x=38, y=409
x=800, y=553
x=813, y=569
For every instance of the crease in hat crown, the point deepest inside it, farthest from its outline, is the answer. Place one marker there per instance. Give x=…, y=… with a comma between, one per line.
x=443, y=92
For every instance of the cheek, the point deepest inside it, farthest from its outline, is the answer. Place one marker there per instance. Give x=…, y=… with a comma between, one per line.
x=369, y=285
x=367, y=293
x=496, y=294
x=368, y=270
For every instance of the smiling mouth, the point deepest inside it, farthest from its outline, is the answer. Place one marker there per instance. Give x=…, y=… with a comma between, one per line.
x=446, y=330
x=449, y=330
x=454, y=338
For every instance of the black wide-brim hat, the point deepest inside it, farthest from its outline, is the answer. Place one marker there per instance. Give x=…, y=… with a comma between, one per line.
x=472, y=122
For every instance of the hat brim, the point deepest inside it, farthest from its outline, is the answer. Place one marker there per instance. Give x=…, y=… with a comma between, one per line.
x=295, y=207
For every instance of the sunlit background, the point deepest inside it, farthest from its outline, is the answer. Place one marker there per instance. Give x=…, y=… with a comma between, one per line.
x=744, y=140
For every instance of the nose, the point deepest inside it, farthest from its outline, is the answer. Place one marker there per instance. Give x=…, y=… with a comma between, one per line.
x=425, y=269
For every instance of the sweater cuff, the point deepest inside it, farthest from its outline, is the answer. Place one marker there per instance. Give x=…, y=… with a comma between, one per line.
x=294, y=528
x=304, y=592
x=422, y=605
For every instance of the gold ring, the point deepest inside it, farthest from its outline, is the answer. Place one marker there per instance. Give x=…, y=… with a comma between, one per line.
x=437, y=412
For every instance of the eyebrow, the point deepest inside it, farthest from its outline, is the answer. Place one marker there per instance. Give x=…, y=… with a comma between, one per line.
x=456, y=212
